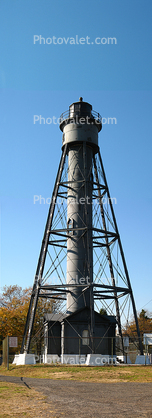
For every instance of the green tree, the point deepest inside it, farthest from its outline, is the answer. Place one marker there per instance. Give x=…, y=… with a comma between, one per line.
x=145, y=324
x=143, y=315
x=103, y=311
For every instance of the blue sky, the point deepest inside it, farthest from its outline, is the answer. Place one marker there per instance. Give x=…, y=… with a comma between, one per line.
x=44, y=79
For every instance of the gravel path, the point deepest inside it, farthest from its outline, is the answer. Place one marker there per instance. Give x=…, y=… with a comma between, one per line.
x=86, y=400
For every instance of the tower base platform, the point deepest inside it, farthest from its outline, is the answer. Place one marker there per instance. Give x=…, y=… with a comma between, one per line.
x=142, y=360
x=22, y=359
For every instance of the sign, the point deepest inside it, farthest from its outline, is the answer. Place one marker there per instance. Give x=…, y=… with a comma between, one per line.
x=13, y=342
x=126, y=341
x=147, y=339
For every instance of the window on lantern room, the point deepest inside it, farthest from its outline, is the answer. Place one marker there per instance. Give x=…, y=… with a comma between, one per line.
x=77, y=107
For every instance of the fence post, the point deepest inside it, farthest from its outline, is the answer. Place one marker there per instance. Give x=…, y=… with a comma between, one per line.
x=6, y=352
x=79, y=348
x=112, y=348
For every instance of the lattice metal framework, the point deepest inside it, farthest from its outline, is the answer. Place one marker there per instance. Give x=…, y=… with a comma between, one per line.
x=110, y=288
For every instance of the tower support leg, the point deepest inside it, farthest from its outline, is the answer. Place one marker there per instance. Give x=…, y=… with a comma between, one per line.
x=123, y=257
x=109, y=255
x=40, y=267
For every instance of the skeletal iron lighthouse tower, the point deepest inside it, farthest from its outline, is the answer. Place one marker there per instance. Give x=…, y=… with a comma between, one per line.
x=81, y=261
x=82, y=143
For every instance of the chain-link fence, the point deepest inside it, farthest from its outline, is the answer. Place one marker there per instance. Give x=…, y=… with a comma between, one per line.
x=86, y=351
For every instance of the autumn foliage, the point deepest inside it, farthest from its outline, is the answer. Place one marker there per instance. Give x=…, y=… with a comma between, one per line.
x=14, y=304
x=145, y=324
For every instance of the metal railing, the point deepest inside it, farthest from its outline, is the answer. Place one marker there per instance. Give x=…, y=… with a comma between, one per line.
x=72, y=114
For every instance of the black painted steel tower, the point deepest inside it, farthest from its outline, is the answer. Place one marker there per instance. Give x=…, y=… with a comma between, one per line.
x=81, y=261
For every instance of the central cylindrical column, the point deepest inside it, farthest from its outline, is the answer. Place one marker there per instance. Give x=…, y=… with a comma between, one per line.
x=79, y=222
x=80, y=131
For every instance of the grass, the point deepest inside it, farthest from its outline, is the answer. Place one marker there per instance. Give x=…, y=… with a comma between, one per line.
x=18, y=401
x=109, y=374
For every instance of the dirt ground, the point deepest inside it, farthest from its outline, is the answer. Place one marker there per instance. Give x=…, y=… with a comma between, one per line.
x=73, y=399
